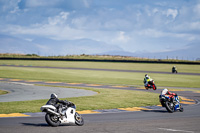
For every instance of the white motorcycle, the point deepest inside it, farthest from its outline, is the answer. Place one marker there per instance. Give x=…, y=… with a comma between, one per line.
x=54, y=119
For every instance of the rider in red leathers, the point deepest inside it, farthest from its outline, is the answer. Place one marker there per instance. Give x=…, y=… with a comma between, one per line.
x=171, y=102
x=166, y=92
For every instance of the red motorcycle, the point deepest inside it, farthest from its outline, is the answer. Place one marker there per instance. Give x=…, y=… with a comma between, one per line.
x=151, y=85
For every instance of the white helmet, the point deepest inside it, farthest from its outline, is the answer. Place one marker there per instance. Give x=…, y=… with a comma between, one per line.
x=54, y=95
x=164, y=91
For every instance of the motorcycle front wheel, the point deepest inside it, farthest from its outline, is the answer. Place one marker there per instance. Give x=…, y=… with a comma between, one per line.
x=169, y=106
x=78, y=119
x=181, y=108
x=52, y=120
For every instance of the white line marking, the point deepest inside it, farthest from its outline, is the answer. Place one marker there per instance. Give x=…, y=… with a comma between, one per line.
x=175, y=130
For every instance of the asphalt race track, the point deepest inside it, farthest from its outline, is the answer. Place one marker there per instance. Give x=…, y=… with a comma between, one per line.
x=24, y=92
x=156, y=120
x=129, y=122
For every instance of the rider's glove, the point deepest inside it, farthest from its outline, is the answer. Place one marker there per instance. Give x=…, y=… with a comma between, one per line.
x=68, y=103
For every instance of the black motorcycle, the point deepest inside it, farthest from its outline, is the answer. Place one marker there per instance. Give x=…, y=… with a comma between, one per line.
x=174, y=70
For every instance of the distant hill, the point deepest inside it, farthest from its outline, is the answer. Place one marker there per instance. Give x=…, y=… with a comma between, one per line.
x=10, y=44
x=189, y=52
x=72, y=47
x=49, y=47
x=46, y=47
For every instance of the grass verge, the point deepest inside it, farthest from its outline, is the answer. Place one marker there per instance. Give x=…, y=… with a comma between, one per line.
x=3, y=92
x=105, y=99
x=98, y=77
x=107, y=65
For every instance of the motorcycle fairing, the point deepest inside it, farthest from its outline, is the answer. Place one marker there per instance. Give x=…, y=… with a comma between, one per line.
x=69, y=116
x=47, y=107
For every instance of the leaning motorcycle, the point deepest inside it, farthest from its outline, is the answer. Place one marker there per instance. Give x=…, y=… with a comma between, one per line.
x=171, y=104
x=151, y=85
x=54, y=119
x=174, y=71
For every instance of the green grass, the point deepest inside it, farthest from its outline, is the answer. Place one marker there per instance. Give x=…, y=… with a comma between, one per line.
x=108, y=65
x=3, y=92
x=98, y=77
x=105, y=99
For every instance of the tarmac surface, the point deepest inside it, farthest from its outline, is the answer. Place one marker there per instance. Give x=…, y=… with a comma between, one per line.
x=23, y=92
x=157, y=121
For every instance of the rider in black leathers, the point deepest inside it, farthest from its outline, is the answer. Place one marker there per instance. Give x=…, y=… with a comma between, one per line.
x=57, y=103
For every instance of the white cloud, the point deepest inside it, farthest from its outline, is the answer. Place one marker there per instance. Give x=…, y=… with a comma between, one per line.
x=172, y=12
x=197, y=10
x=124, y=25
x=155, y=10
x=55, y=28
x=148, y=11
x=79, y=22
x=187, y=27
x=86, y=3
x=38, y=3
x=16, y=7
x=152, y=33
x=195, y=25
x=120, y=38
x=9, y=6
x=60, y=19
x=117, y=24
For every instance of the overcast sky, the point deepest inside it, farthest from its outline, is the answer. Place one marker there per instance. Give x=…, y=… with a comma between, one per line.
x=133, y=25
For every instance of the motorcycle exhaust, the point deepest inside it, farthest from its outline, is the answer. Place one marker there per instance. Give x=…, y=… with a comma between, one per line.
x=52, y=112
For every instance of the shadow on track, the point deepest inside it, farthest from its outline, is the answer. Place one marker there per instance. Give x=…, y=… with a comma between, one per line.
x=36, y=125
x=156, y=111
x=43, y=124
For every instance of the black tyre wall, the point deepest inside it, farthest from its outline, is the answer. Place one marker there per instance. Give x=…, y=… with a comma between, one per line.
x=50, y=122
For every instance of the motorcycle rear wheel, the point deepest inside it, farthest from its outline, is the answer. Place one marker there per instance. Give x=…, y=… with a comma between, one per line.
x=78, y=119
x=52, y=120
x=154, y=87
x=169, y=106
